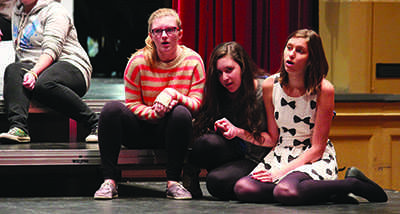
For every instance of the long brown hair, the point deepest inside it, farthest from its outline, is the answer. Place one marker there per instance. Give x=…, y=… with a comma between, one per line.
x=317, y=66
x=216, y=96
x=149, y=51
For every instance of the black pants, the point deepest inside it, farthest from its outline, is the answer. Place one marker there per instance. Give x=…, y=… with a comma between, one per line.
x=59, y=87
x=120, y=126
x=224, y=161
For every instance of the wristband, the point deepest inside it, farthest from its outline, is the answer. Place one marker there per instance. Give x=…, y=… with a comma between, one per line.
x=33, y=73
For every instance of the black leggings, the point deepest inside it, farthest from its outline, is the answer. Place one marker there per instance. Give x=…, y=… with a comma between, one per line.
x=224, y=161
x=299, y=188
x=120, y=126
x=60, y=87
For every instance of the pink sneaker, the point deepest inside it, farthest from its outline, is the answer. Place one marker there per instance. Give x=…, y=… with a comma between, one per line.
x=107, y=191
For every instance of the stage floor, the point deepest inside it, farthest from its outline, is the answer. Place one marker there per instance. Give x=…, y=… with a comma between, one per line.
x=148, y=197
x=106, y=88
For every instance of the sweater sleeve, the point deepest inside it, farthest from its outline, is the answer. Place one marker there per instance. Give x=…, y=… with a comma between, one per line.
x=195, y=96
x=56, y=28
x=133, y=93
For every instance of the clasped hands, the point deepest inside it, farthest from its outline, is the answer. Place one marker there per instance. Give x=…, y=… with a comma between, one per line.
x=165, y=101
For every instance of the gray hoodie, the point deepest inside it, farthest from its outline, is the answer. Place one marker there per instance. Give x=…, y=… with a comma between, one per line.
x=6, y=7
x=48, y=28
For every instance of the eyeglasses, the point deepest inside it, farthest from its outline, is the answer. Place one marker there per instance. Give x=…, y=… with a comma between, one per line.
x=169, y=31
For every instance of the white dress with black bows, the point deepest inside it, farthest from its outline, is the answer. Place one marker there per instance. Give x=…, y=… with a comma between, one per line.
x=295, y=117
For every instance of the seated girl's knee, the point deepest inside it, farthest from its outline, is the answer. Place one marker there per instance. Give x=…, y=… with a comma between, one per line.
x=242, y=186
x=285, y=194
x=181, y=110
x=181, y=117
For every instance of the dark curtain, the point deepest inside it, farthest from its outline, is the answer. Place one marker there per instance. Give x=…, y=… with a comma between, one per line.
x=119, y=27
x=260, y=26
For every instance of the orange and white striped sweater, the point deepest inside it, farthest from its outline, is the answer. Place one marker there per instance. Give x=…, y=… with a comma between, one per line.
x=143, y=84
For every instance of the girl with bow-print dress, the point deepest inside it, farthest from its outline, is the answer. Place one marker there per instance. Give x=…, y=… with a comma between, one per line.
x=301, y=168
x=296, y=126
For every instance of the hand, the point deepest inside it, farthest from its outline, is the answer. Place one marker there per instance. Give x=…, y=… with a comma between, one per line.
x=171, y=92
x=263, y=176
x=228, y=130
x=161, y=110
x=29, y=81
x=166, y=96
x=165, y=101
x=267, y=176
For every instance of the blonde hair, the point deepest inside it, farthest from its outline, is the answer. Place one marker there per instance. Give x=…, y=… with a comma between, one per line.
x=149, y=51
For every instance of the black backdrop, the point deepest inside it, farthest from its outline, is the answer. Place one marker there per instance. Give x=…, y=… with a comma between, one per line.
x=120, y=28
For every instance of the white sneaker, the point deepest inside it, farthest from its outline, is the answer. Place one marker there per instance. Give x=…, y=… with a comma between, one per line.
x=15, y=135
x=93, y=136
x=107, y=191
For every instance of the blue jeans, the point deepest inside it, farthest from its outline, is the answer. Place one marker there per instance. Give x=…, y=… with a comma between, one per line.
x=60, y=87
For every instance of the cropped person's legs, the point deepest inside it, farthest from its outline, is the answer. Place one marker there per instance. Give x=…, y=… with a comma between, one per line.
x=221, y=180
x=61, y=87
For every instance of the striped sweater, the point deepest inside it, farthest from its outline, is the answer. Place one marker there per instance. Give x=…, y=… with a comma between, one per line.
x=143, y=84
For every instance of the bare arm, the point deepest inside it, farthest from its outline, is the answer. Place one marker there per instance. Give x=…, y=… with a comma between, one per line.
x=272, y=135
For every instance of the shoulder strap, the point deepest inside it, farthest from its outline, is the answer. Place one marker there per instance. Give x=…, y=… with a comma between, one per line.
x=276, y=79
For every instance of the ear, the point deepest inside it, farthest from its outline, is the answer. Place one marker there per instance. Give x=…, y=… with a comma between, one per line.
x=180, y=34
x=150, y=35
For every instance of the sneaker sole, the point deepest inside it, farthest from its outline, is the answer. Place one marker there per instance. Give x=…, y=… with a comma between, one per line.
x=91, y=140
x=105, y=198
x=13, y=140
x=179, y=198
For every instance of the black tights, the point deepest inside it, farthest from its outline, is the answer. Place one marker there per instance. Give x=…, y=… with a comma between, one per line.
x=298, y=188
x=224, y=161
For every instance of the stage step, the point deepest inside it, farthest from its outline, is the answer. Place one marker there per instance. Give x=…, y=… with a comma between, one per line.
x=31, y=154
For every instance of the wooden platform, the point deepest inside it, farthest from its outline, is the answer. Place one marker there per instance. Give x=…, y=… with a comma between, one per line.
x=33, y=154
x=58, y=142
